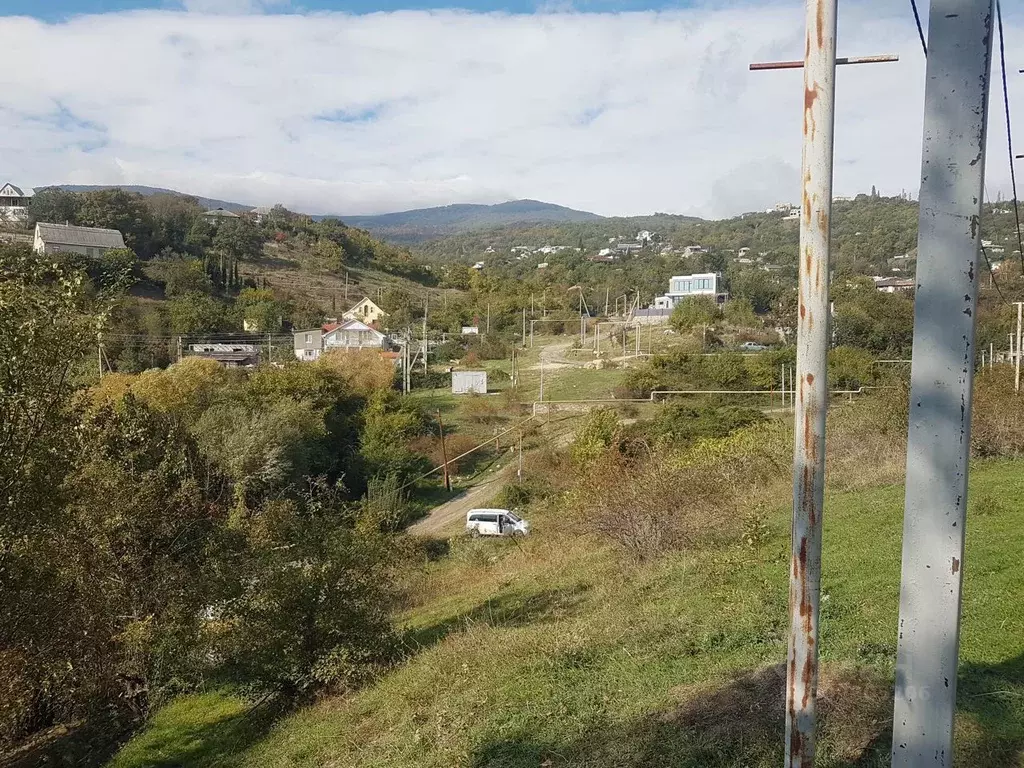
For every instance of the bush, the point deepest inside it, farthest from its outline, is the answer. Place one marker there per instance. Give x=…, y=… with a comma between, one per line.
x=513, y=496
x=594, y=436
x=698, y=310
x=314, y=608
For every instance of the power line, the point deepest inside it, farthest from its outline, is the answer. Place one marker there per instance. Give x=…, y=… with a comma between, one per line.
x=1009, y=135
x=920, y=29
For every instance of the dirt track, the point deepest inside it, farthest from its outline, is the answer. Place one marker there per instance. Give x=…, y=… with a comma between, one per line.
x=452, y=514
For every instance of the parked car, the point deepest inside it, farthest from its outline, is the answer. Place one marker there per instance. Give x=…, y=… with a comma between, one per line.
x=752, y=346
x=495, y=522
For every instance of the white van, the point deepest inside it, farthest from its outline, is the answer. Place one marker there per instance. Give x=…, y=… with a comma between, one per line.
x=495, y=522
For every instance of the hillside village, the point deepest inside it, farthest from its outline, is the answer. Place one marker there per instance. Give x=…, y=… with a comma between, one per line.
x=326, y=397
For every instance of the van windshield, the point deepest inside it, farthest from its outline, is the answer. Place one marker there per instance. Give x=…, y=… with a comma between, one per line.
x=514, y=517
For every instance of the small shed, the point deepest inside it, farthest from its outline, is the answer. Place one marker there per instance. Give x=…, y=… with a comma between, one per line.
x=466, y=382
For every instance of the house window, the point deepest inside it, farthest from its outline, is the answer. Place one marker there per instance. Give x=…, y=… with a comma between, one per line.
x=309, y=339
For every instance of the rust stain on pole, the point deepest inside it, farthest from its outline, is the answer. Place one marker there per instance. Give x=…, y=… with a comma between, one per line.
x=812, y=381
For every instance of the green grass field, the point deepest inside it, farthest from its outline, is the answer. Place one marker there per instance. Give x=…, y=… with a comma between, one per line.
x=557, y=653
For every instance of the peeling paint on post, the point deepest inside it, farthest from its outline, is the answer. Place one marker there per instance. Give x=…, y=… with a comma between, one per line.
x=941, y=379
x=811, y=384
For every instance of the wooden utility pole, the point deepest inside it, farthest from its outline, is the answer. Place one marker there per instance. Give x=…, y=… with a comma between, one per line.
x=444, y=452
x=426, y=308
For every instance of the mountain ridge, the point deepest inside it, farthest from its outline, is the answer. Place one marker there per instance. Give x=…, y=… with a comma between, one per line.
x=409, y=226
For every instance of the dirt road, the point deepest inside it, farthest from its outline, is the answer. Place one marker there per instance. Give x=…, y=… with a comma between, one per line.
x=452, y=514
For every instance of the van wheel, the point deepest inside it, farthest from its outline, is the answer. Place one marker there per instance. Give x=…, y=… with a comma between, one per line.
x=474, y=534
x=517, y=534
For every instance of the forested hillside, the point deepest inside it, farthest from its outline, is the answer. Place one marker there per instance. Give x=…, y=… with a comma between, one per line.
x=426, y=223
x=868, y=234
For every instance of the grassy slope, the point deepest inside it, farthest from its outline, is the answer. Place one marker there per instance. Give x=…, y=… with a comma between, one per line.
x=563, y=654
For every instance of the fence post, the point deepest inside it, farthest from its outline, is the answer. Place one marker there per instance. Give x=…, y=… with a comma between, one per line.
x=941, y=378
x=811, y=385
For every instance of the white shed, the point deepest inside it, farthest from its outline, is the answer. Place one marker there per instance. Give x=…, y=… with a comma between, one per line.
x=466, y=382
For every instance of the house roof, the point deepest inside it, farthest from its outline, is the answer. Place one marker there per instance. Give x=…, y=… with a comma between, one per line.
x=222, y=213
x=89, y=237
x=11, y=190
x=349, y=325
x=367, y=300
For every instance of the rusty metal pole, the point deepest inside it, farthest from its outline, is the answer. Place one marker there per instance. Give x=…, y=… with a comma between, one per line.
x=811, y=383
x=941, y=380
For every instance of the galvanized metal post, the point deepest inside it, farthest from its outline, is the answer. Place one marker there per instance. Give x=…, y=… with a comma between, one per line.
x=1016, y=375
x=941, y=379
x=811, y=384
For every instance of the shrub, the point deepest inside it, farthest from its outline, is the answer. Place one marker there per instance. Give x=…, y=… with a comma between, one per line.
x=513, y=496
x=594, y=436
x=998, y=426
x=698, y=310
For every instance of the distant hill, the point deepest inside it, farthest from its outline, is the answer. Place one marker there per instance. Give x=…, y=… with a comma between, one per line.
x=427, y=223
x=206, y=202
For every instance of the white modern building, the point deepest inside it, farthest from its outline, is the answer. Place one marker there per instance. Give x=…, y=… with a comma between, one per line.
x=682, y=287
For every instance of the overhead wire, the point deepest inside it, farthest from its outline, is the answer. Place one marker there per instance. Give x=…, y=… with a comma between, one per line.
x=1009, y=135
x=920, y=29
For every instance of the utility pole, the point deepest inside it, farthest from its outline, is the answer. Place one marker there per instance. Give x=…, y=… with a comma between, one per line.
x=812, y=371
x=606, y=289
x=269, y=350
x=488, y=329
x=444, y=452
x=524, y=326
x=346, y=291
x=541, y=397
x=810, y=398
x=520, y=474
x=1016, y=375
x=179, y=349
x=426, y=308
x=941, y=380
x=99, y=357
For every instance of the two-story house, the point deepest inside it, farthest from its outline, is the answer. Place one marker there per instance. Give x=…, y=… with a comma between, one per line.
x=351, y=334
x=682, y=287
x=14, y=202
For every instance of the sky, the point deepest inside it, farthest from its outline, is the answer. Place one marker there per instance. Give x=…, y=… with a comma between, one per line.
x=620, y=107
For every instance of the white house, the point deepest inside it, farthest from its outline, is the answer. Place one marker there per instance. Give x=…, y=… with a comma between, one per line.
x=14, y=202
x=685, y=286
x=365, y=311
x=219, y=214
x=259, y=213
x=352, y=334
x=643, y=236
x=88, y=241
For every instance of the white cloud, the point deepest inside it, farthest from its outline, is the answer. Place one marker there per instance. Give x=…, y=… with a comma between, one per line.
x=615, y=113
